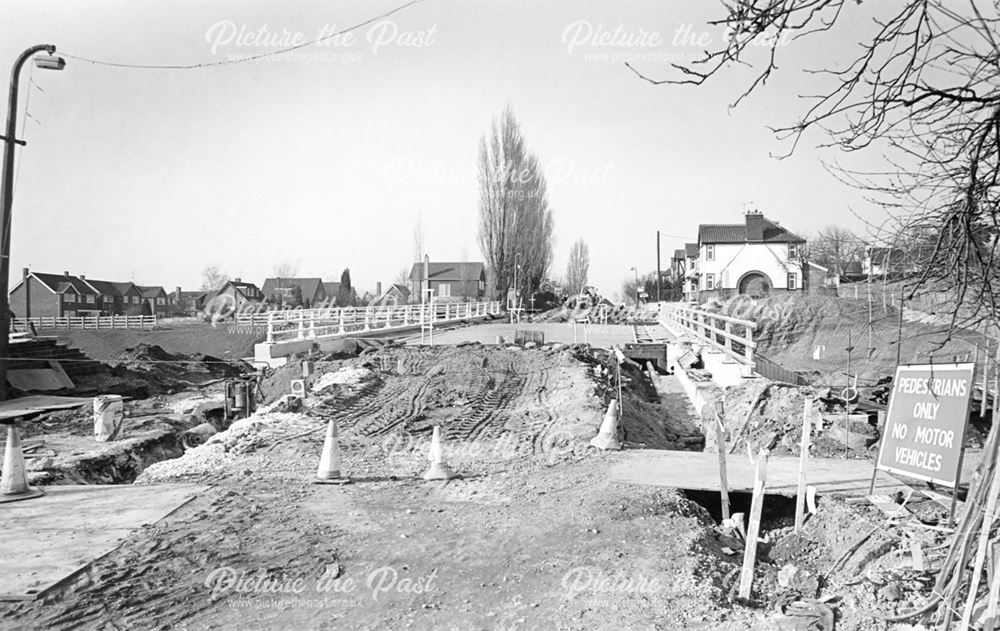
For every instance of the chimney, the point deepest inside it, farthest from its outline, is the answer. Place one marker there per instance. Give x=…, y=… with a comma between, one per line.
x=66, y=274
x=24, y=272
x=237, y=280
x=178, y=293
x=83, y=277
x=378, y=288
x=755, y=226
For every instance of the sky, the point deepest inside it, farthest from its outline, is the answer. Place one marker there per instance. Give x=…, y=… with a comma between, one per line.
x=326, y=157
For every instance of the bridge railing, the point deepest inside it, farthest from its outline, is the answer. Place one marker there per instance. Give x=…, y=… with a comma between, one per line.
x=732, y=336
x=316, y=323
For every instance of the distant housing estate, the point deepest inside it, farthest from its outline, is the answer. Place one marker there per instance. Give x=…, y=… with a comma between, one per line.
x=65, y=295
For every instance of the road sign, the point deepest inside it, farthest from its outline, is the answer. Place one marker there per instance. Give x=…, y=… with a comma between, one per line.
x=925, y=426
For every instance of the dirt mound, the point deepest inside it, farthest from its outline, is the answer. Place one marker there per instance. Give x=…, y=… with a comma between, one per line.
x=812, y=334
x=764, y=414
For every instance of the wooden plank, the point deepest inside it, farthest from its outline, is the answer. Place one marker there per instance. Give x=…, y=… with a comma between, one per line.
x=753, y=529
x=720, y=441
x=800, y=493
x=51, y=548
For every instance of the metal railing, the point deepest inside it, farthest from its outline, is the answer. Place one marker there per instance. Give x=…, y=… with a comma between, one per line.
x=85, y=322
x=732, y=336
x=304, y=324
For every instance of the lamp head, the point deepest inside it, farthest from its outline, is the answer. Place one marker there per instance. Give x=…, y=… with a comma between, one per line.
x=50, y=62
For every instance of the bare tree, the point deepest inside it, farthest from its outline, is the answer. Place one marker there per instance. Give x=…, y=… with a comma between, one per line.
x=418, y=238
x=922, y=90
x=837, y=249
x=515, y=219
x=578, y=267
x=213, y=278
x=285, y=269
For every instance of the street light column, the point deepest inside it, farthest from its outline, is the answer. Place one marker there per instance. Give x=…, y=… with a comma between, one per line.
x=7, y=199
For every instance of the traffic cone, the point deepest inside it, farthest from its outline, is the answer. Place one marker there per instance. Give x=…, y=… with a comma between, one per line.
x=607, y=438
x=439, y=468
x=14, y=480
x=329, y=463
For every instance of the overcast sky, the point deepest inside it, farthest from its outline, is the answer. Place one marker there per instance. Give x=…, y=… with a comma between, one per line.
x=325, y=159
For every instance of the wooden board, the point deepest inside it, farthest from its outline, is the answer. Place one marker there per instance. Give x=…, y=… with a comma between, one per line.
x=52, y=538
x=700, y=471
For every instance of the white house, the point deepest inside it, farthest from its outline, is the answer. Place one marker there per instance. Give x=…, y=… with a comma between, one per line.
x=755, y=258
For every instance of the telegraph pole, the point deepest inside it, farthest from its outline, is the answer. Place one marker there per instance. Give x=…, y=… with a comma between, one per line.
x=659, y=298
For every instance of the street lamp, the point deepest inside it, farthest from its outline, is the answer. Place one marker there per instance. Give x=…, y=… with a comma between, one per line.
x=636, y=287
x=48, y=61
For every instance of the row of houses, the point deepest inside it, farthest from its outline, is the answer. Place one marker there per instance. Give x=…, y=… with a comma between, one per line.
x=39, y=294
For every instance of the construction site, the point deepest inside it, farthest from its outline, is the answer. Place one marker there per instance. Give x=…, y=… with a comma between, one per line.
x=509, y=315
x=584, y=470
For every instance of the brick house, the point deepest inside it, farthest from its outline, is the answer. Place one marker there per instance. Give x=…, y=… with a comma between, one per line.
x=234, y=294
x=457, y=282
x=279, y=291
x=156, y=299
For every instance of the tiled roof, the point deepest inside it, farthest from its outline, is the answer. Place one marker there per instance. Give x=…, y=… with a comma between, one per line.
x=124, y=288
x=737, y=233
x=678, y=254
x=62, y=282
x=691, y=249
x=309, y=286
x=152, y=292
x=449, y=271
x=332, y=289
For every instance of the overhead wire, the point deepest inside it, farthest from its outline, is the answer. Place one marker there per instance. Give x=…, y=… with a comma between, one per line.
x=229, y=62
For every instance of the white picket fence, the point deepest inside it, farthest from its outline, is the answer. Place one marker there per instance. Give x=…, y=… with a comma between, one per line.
x=302, y=324
x=87, y=322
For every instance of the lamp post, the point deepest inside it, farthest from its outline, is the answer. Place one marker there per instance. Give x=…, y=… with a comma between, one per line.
x=48, y=62
x=636, y=287
x=517, y=255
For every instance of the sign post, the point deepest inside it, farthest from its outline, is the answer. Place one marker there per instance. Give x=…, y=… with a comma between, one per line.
x=924, y=430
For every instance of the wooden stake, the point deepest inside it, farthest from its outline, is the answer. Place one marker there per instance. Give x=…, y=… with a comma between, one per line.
x=756, y=506
x=986, y=378
x=720, y=441
x=984, y=539
x=800, y=494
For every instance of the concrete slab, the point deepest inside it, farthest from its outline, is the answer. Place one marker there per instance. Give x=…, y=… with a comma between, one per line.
x=35, y=379
x=700, y=471
x=52, y=538
x=23, y=406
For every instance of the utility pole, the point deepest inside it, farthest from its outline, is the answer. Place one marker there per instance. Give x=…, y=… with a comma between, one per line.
x=659, y=298
x=7, y=197
x=636, y=286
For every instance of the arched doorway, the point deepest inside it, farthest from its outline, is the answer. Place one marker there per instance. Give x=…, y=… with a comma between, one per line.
x=755, y=285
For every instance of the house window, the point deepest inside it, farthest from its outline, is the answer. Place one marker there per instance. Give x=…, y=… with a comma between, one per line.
x=709, y=282
x=444, y=290
x=710, y=252
x=135, y=300
x=161, y=301
x=792, y=281
x=793, y=251
x=67, y=297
